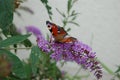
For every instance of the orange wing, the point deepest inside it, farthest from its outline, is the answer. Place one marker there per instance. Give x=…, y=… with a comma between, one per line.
x=67, y=40
x=59, y=33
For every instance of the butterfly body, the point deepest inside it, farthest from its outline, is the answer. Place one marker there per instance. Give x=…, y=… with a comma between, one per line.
x=59, y=34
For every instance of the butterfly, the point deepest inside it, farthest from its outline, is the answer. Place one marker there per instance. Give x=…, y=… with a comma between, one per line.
x=59, y=34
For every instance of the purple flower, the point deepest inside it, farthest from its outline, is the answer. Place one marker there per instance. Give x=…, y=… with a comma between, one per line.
x=34, y=30
x=76, y=51
x=42, y=43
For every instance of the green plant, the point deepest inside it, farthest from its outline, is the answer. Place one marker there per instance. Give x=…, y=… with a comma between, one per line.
x=70, y=16
x=116, y=74
x=38, y=66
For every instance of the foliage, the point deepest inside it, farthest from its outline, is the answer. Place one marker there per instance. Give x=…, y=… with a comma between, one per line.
x=6, y=17
x=116, y=74
x=6, y=13
x=17, y=66
x=13, y=40
x=45, y=2
x=39, y=65
x=70, y=16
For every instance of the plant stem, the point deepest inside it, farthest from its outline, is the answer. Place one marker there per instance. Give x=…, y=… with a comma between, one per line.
x=77, y=71
x=16, y=48
x=106, y=68
x=66, y=20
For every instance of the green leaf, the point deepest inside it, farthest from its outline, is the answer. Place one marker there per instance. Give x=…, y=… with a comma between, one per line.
x=62, y=14
x=118, y=76
x=27, y=43
x=49, y=11
x=73, y=13
x=68, y=29
x=64, y=23
x=28, y=70
x=53, y=71
x=27, y=9
x=13, y=40
x=106, y=67
x=74, y=18
x=6, y=13
x=118, y=70
x=40, y=60
x=69, y=6
x=74, y=23
x=12, y=30
x=34, y=59
x=17, y=66
x=45, y=2
x=0, y=38
x=18, y=13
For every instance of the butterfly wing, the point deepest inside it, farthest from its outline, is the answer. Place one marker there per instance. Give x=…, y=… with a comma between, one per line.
x=59, y=33
x=68, y=40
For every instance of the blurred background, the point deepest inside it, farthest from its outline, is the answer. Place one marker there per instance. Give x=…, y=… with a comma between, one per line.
x=99, y=22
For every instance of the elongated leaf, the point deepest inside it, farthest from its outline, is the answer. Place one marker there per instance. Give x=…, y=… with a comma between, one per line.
x=75, y=14
x=28, y=70
x=49, y=11
x=18, y=13
x=72, y=12
x=69, y=5
x=45, y=2
x=26, y=9
x=6, y=13
x=14, y=32
x=27, y=43
x=118, y=76
x=17, y=66
x=13, y=40
x=74, y=23
x=62, y=14
x=118, y=70
x=64, y=23
x=68, y=29
x=34, y=59
x=74, y=18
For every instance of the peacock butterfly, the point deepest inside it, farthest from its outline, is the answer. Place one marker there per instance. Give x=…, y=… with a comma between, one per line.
x=59, y=34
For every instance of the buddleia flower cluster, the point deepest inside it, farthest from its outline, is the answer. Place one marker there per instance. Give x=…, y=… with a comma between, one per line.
x=76, y=51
